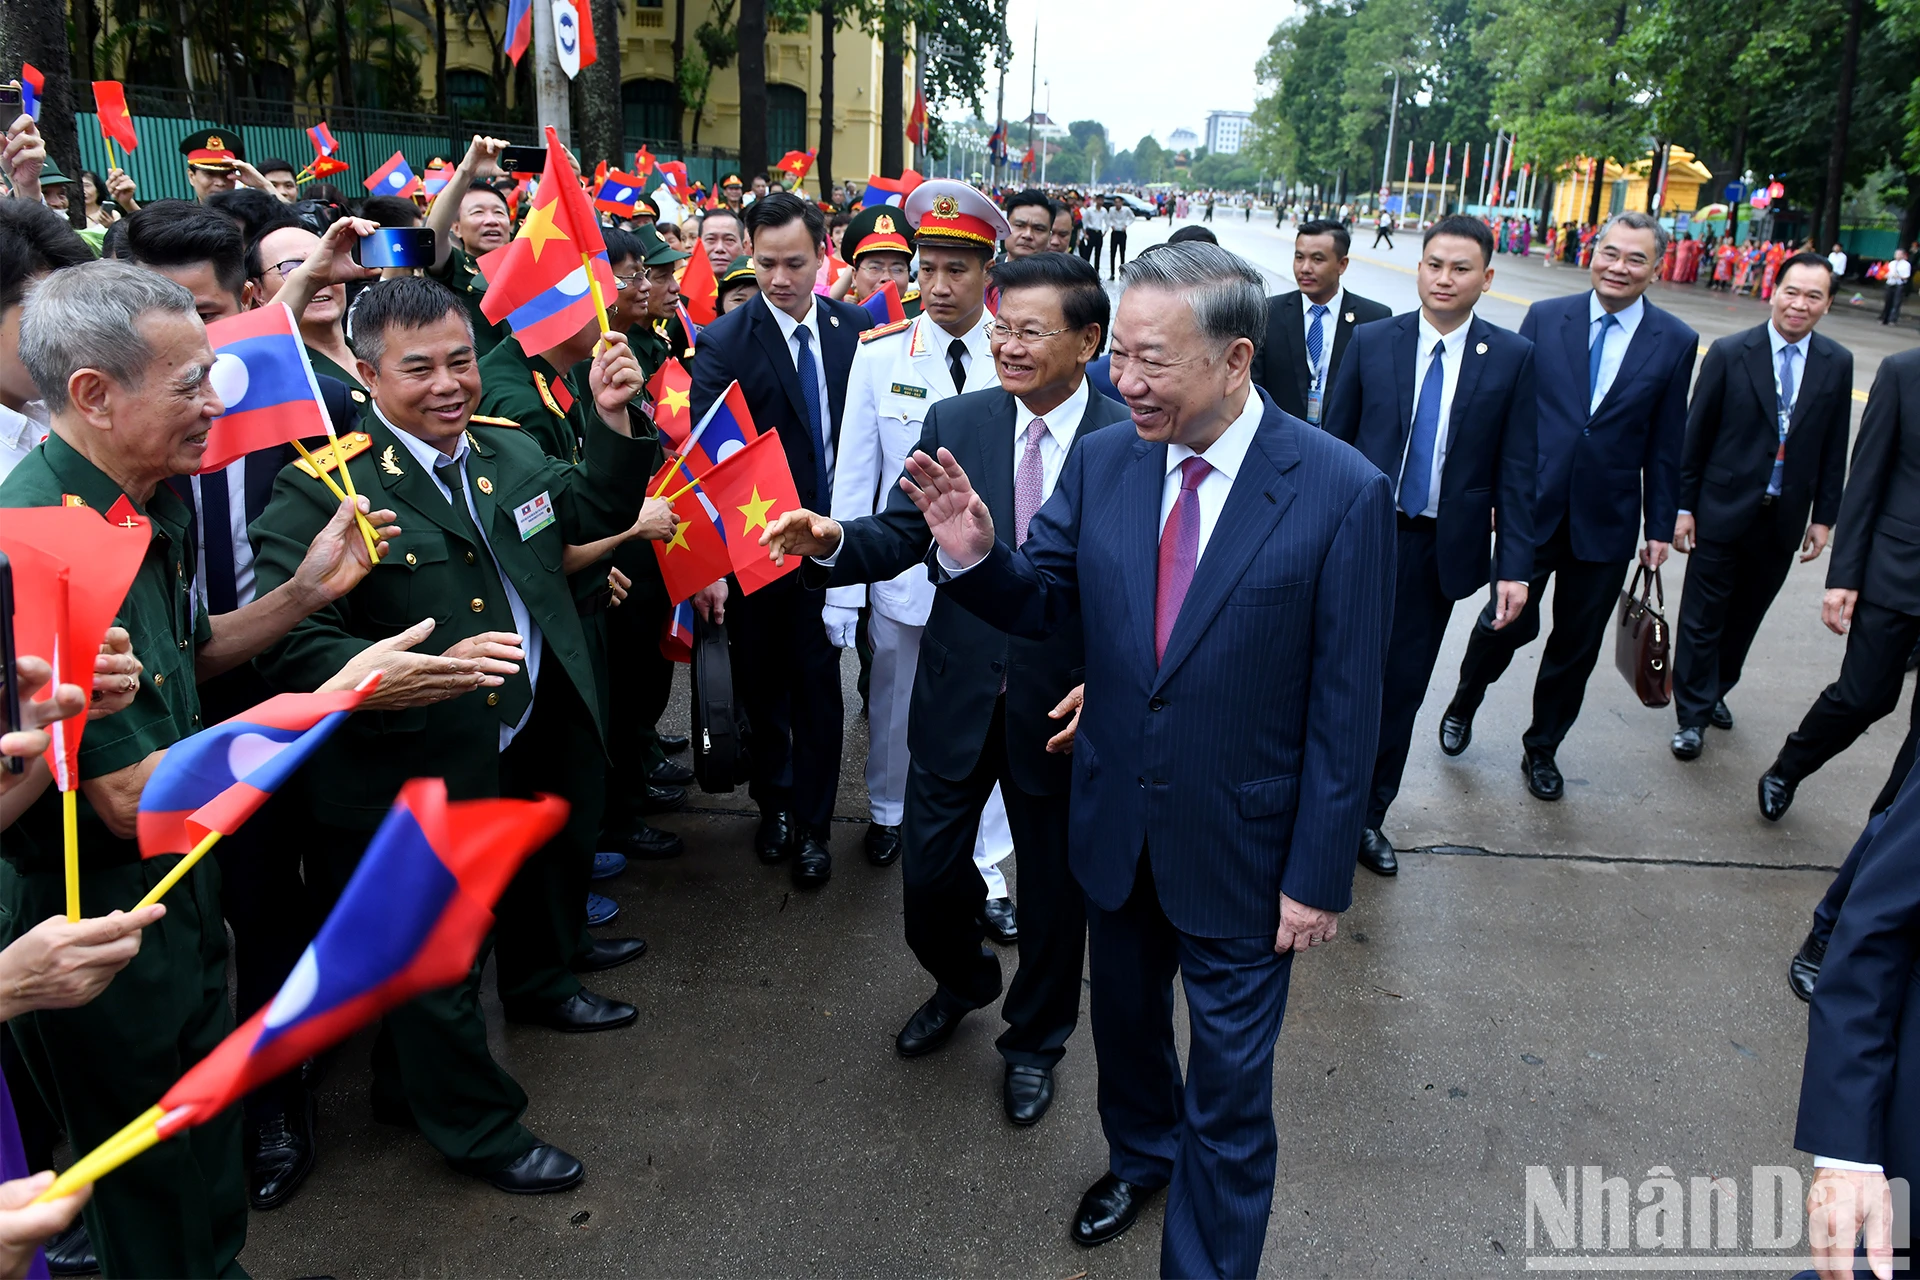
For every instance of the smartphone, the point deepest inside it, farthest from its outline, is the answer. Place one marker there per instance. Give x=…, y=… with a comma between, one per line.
x=523, y=159
x=9, y=696
x=9, y=101
x=396, y=247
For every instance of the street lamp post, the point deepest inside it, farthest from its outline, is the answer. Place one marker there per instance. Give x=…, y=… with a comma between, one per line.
x=1393, y=117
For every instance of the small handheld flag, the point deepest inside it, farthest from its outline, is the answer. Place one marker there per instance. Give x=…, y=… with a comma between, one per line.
x=700, y=289
x=751, y=489
x=262, y=373
x=882, y=191
x=676, y=634
x=724, y=431
x=671, y=387
x=553, y=277
x=883, y=304
x=33, y=86
x=696, y=556
x=437, y=179
x=323, y=143
x=797, y=164
x=619, y=193
x=116, y=122
x=394, y=178
x=573, y=36
x=643, y=162
x=687, y=324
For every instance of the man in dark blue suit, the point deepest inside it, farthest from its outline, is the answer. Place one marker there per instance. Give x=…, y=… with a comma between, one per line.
x=1612, y=372
x=1443, y=403
x=790, y=350
x=1231, y=568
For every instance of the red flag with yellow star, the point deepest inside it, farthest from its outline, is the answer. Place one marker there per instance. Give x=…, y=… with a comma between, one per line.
x=671, y=387
x=537, y=282
x=696, y=556
x=751, y=489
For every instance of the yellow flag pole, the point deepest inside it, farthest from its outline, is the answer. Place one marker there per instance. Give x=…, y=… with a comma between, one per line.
x=108, y=1156
x=346, y=480
x=113, y=161
x=338, y=492
x=180, y=869
x=70, y=822
x=599, y=297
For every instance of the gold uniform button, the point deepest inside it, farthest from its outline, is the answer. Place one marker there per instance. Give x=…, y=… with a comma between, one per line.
x=412, y=558
x=493, y=699
x=477, y=605
x=183, y=644
x=159, y=680
x=469, y=557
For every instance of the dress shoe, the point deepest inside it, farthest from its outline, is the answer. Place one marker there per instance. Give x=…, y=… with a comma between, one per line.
x=670, y=773
x=1456, y=729
x=1376, y=853
x=883, y=844
x=279, y=1152
x=1804, y=969
x=673, y=743
x=662, y=799
x=71, y=1252
x=1003, y=925
x=601, y=910
x=647, y=844
x=1776, y=796
x=812, y=864
x=1720, y=717
x=540, y=1171
x=610, y=953
x=774, y=839
x=1108, y=1208
x=608, y=865
x=1543, y=775
x=584, y=1010
x=1026, y=1092
x=1687, y=742
x=930, y=1027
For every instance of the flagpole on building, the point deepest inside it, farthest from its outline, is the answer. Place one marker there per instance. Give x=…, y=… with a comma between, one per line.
x=551, y=98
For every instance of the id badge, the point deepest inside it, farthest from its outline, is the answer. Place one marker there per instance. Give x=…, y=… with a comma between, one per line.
x=533, y=516
x=1313, y=404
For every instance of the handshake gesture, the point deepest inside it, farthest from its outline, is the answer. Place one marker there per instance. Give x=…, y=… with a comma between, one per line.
x=956, y=516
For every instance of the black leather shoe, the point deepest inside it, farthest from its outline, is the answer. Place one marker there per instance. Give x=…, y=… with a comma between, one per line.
x=647, y=844
x=71, y=1252
x=584, y=1010
x=774, y=839
x=1776, y=796
x=1108, y=1208
x=1543, y=775
x=1456, y=730
x=812, y=864
x=1802, y=971
x=1720, y=717
x=1687, y=742
x=670, y=773
x=279, y=1152
x=662, y=799
x=1026, y=1093
x=610, y=953
x=1003, y=923
x=673, y=743
x=1376, y=853
x=883, y=844
x=930, y=1027
x=542, y=1170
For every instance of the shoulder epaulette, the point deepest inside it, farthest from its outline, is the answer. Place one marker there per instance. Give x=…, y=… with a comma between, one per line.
x=352, y=445
x=898, y=326
x=912, y=295
x=485, y=421
x=72, y=500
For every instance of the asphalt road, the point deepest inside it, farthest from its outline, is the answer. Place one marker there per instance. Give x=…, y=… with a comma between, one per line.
x=1598, y=982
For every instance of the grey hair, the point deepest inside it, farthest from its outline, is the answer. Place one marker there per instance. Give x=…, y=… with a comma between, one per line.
x=1227, y=293
x=1638, y=221
x=86, y=317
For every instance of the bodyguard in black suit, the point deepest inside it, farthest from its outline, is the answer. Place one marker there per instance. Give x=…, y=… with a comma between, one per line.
x=1873, y=583
x=986, y=704
x=1766, y=447
x=1308, y=328
x=1443, y=403
x=1612, y=372
x=790, y=350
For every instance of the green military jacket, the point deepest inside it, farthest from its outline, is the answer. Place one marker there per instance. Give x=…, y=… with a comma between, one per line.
x=460, y=274
x=553, y=408
x=167, y=627
x=649, y=347
x=323, y=363
x=433, y=569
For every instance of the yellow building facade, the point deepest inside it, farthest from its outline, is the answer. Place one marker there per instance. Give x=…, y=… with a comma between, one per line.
x=1625, y=186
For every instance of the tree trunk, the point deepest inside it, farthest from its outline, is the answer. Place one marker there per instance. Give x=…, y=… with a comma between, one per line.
x=893, y=110
x=596, y=94
x=823, y=162
x=86, y=21
x=1826, y=227
x=342, y=56
x=440, y=57
x=679, y=54
x=752, y=62
x=36, y=31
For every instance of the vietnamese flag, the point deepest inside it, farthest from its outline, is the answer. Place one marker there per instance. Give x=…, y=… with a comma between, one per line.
x=643, y=162
x=700, y=289
x=671, y=387
x=537, y=282
x=751, y=489
x=796, y=163
x=116, y=122
x=917, y=120
x=696, y=556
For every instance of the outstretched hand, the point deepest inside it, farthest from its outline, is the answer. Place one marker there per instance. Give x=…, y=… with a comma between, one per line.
x=800, y=532
x=956, y=516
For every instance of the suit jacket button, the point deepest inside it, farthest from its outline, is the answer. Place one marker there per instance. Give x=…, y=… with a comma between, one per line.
x=493, y=699
x=1156, y=704
x=477, y=604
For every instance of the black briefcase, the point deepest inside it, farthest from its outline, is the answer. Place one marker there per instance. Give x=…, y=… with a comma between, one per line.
x=720, y=759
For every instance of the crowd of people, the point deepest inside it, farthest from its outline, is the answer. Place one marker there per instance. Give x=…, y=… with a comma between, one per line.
x=1146, y=596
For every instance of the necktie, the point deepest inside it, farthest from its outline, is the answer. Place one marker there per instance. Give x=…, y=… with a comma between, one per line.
x=1785, y=420
x=216, y=534
x=517, y=692
x=1416, y=477
x=810, y=392
x=1608, y=321
x=1027, y=482
x=957, y=364
x=1316, y=339
x=1179, y=552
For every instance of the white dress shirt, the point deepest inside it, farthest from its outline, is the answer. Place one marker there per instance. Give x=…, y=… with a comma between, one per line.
x=530, y=639
x=1899, y=271
x=1120, y=217
x=1063, y=420
x=1452, y=357
x=1616, y=339
x=20, y=435
x=1838, y=261
x=1328, y=327
x=812, y=325
x=234, y=477
x=1093, y=218
x=1225, y=456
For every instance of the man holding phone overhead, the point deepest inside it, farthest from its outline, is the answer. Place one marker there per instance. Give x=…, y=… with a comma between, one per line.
x=469, y=219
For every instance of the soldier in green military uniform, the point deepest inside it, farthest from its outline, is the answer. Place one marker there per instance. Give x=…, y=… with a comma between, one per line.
x=487, y=519
x=879, y=250
x=470, y=219
x=662, y=336
x=180, y=1209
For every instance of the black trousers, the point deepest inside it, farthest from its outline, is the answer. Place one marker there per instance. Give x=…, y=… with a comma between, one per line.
x=1878, y=646
x=1090, y=247
x=639, y=684
x=1828, y=912
x=1116, y=250
x=1890, y=309
x=1729, y=587
x=1584, y=598
x=788, y=677
x=1420, y=614
x=1382, y=233
x=944, y=895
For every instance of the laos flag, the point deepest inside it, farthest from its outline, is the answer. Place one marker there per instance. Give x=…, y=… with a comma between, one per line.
x=394, y=178
x=538, y=282
x=411, y=920
x=32, y=86
x=884, y=305
x=262, y=374
x=727, y=429
x=219, y=777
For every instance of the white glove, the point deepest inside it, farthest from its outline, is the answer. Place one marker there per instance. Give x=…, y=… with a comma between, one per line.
x=841, y=624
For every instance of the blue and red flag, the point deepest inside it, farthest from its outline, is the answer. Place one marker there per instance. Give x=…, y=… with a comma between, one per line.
x=619, y=194
x=437, y=179
x=261, y=372
x=411, y=920
x=519, y=32
x=32, y=86
x=676, y=637
x=727, y=429
x=323, y=142
x=687, y=325
x=394, y=178
x=883, y=304
x=883, y=191
x=219, y=777
x=537, y=282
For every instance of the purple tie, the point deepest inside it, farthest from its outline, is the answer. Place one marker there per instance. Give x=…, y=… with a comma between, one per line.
x=1179, y=552
x=1027, y=482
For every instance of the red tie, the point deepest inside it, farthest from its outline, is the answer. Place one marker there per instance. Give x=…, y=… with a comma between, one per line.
x=1179, y=552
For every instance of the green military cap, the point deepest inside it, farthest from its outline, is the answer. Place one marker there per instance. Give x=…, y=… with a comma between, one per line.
x=50, y=175
x=658, y=253
x=739, y=269
x=881, y=229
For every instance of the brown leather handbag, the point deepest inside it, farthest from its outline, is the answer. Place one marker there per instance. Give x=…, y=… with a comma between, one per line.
x=1642, y=641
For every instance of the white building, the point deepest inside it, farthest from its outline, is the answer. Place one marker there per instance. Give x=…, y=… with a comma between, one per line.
x=1181, y=139
x=1227, y=131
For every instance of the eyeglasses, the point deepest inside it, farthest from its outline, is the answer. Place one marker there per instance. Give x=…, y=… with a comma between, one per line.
x=1000, y=333
x=624, y=283
x=289, y=266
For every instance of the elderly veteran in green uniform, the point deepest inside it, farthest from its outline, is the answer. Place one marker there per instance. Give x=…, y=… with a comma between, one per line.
x=122, y=362
x=470, y=219
x=663, y=335
x=487, y=519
